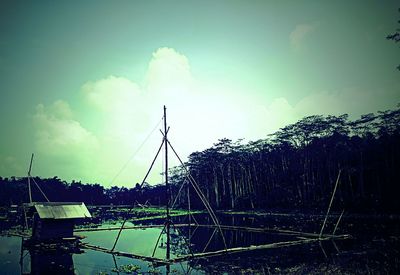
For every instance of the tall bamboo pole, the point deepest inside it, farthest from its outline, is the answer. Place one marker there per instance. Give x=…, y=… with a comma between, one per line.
x=29, y=180
x=168, y=221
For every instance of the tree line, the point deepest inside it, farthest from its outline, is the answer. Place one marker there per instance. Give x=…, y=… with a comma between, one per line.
x=14, y=191
x=297, y=166
x=294, y=168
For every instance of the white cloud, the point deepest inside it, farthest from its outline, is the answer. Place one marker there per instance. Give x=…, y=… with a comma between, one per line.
x=117, y=103
x=112, y=93
x=62, y=141
x=298, y=35
x=125, y=113
x=57, y=132
x=121, y=113
x=169, y=73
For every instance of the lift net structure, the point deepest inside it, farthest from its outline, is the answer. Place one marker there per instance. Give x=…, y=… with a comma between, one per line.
x=219, y=229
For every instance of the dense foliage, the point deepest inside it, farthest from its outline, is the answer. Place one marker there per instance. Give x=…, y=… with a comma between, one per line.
x=294, y=168
x=297, y=166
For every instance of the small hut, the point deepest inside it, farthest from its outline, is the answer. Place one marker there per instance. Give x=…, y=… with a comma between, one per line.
x=55, y=220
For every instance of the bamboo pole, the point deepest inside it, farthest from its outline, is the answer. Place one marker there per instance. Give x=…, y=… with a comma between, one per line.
x=337, y=223
x=29, y=179
x=330, y=203
x=248, y=248
x=224, y=227
x=212, y=253
x=270, y=230
x=168, y=219
x=128, y=227
x=124, y=254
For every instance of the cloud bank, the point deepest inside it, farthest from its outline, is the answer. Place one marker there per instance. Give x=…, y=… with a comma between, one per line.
x=119, y=114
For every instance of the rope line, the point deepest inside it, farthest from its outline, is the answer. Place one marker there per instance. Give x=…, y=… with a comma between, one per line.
x=135, y=153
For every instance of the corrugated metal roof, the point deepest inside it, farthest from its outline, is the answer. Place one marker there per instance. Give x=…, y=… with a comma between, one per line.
x=61, y=210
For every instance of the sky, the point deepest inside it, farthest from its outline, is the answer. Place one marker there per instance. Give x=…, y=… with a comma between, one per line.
x=83, y=83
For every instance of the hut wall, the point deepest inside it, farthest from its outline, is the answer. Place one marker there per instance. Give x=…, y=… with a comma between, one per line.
x=53, y=229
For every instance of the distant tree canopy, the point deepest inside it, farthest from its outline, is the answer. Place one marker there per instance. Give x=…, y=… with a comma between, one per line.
x=297, y=166
x=294, y=168
x=15, y=191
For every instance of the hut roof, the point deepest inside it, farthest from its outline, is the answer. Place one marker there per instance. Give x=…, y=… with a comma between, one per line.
x=62, y=210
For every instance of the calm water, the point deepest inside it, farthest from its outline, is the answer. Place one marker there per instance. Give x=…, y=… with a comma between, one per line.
x=374, y=249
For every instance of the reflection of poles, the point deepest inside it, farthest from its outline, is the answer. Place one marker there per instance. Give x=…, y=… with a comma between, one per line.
x=183, y=237
x=115, y=263
x=158, y=240
x=21, y=258
x=323, y=250
x=209, y=241
x=334, y=244
x=180, y=234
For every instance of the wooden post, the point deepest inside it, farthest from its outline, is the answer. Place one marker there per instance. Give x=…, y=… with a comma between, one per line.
x=26, y=219
x=29, y=180
x=168, y=221
x=190, y=220
x=188, y=198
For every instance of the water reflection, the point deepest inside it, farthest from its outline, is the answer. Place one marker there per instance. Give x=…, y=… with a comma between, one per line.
x=10, y=251
x=206, y=238
x=46, y=262
x=349, y=256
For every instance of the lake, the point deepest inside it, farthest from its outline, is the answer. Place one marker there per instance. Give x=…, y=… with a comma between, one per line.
x=373, y=248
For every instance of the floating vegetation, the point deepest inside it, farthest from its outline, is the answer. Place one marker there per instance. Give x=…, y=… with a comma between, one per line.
x=154, y=271
x=128, y=268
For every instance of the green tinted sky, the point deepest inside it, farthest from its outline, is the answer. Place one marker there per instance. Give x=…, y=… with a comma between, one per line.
x=83, y=82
